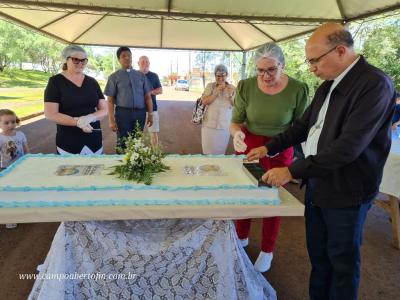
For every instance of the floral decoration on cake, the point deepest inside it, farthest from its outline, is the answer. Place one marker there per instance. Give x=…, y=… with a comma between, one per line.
x=141, y=161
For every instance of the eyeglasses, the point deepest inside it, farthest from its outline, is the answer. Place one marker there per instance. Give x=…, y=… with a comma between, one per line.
x=270, y=71
x=76, y=61
x=313, y=61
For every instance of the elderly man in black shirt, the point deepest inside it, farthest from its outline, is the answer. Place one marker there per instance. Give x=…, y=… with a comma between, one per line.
x=347, y=129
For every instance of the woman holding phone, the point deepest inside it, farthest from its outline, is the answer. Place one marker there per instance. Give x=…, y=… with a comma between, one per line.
x=219, y=97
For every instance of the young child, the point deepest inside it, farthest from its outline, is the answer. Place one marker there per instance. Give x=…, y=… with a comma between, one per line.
x=13, y=143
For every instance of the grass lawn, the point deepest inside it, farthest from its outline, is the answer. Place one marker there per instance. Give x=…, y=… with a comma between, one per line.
x=22, y=91
x=23, y=101
x=12, y=78
x=29, y=110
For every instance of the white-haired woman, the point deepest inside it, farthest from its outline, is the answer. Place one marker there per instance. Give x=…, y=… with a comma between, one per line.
x=266, y=105
x=219, y=97
x=75, y=102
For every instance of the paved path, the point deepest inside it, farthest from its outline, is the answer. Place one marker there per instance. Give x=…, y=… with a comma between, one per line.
x=177, y=133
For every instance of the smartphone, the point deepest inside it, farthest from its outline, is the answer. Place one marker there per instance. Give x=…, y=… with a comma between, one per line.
x=256, y=171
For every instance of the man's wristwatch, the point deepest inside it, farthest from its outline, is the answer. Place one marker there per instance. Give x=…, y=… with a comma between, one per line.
x=150, y=113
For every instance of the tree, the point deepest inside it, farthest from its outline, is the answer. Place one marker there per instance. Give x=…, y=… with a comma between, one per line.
x=11, y=38
x=382, y=49
x=46, y=52
x=101, y=63
x=206, y=60
x=295, y=65
x=18, y=45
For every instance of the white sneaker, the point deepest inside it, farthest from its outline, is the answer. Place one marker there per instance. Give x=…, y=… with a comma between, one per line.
x=11, y=226
x=263, y=262
x=244, y=242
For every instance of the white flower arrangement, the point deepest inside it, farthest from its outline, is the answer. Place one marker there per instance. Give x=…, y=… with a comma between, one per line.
x=140, y=162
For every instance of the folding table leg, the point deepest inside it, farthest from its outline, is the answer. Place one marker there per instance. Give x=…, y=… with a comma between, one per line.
x=395, y=215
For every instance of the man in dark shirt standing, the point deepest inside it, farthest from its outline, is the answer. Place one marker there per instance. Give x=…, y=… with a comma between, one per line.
x=128, y=97
x=347, y=129
x=156, y=89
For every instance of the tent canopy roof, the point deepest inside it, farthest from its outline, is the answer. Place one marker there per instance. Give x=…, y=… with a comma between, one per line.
x=234, y=25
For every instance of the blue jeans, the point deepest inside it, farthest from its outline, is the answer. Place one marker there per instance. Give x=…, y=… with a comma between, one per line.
x=126, y=119
x=334, y=237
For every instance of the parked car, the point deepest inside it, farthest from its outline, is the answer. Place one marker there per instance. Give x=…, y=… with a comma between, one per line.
x=182, y=85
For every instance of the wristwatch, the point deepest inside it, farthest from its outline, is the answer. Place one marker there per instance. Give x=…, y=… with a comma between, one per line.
x=150, y=113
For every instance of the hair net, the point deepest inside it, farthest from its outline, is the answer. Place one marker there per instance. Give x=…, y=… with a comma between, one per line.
x=69, y=50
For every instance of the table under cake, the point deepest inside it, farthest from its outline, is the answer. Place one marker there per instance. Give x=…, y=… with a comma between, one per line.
x=190, y=251
x=390, y=186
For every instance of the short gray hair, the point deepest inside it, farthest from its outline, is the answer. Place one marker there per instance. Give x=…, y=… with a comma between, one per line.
x=270, y=50
x=220, y=68
x=70, y=49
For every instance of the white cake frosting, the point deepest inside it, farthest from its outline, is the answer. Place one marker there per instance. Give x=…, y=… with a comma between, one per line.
x=32, y=181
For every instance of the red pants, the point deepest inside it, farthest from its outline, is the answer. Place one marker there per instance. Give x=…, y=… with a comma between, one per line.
x=270, y=226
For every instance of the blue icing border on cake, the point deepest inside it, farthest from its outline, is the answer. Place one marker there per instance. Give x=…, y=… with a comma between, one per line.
x=130, y=202
x=132, y=187
x=14, y=165
x=122, y=186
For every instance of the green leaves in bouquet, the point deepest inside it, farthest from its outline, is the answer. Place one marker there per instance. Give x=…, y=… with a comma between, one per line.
x=141, y=162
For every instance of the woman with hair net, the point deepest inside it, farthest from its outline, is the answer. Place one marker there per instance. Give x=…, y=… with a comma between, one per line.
x=266, y=105
x=75, y=102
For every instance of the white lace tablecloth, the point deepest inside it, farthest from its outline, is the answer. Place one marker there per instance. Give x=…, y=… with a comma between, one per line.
x=391, y=173
x=165, y=259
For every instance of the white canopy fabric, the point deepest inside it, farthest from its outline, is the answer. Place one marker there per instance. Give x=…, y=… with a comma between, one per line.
x=233, y=25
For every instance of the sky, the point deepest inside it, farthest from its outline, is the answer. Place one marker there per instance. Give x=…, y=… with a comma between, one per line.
x=161, y=61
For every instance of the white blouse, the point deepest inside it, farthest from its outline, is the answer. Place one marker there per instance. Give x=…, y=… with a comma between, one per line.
x=219, y=113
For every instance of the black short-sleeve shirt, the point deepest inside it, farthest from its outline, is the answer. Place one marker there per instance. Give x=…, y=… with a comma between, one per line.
x=75, y=101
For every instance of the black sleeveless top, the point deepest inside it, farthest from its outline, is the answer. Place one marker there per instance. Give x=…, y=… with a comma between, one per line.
x=75, y=101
